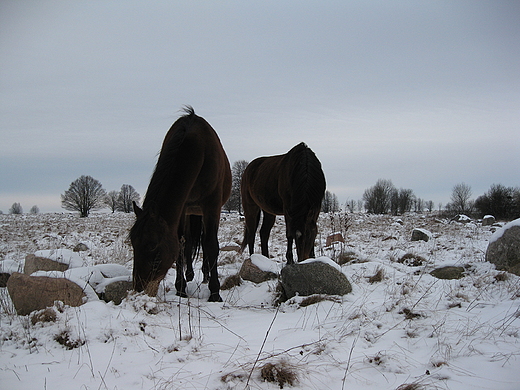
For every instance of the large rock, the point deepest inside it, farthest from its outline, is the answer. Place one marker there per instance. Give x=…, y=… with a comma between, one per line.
x=257, y=269
x=314, y=277
x=504, y=248
x=36, y=263
x=29, y=293
x=421, y=235
x=488, y=220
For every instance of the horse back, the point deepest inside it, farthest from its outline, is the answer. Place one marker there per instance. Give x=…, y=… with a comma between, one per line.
x=260, y=183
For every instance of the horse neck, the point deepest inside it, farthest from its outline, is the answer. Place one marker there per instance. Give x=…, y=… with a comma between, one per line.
x=164, y=207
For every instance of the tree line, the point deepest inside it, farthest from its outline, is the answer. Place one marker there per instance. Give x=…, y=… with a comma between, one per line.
x=86, y=194
x=500, y=201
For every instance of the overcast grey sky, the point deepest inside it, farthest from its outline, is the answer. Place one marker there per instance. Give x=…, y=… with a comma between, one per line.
x=423, y=93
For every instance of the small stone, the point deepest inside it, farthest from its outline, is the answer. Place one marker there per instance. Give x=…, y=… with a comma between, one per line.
x=80, y=248
x=448, y=272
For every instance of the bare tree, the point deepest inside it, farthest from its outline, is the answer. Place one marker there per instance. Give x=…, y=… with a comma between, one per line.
x=401, y=201
x=111, y=200
x=378, y=198
x=330, y=203
x=126, y=196
x=350, y=205
x=16, y=208
x=235, y=199
x=500, y=201
x=85, y=194
x=460, y=198
x=35, y=210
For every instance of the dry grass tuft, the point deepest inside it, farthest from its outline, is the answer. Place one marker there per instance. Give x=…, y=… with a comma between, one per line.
x=64, y=339
x=409, y=315
x=280, y=373
x=347, y=257
x=45, y=315
x=410, y=386
x=311, y=300
x=412, y=260
x=231, y=281
x=378, y=276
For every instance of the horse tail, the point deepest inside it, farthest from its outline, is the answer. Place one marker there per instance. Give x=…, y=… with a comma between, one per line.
x=193, y=235
x=307, y=178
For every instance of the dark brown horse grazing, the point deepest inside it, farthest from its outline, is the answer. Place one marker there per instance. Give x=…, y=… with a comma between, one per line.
x=292, y=185
x=191, y=182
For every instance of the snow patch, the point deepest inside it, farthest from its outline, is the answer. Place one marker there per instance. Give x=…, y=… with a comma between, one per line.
x=323, y=259
x=264, y=263
x=500, y=232
x=64, y=256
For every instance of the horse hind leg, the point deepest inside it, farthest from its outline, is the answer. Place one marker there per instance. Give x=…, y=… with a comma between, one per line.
x=265, y=232
x=193, y=229
x=211, y=250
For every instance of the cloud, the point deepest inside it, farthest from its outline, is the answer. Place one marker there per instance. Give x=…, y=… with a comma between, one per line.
x=424, y=94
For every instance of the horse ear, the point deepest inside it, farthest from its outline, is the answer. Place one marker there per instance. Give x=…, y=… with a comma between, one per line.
x=137, y=209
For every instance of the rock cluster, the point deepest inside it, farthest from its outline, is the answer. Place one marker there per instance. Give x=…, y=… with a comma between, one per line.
x=59, y=275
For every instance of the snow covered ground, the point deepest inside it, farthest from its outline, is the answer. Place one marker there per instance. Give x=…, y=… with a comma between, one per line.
x=403, y=329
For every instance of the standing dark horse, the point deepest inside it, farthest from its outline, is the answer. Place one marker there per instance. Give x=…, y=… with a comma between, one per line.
x=191, y=182
x=292, y=185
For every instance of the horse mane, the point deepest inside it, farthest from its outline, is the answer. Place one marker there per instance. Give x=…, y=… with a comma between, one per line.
x=168, y=154
x=307, y=180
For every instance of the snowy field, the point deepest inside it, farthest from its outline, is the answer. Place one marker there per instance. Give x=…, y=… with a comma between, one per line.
x=400, y=328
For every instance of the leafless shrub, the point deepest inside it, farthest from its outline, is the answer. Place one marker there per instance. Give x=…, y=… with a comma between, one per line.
x=501, y=277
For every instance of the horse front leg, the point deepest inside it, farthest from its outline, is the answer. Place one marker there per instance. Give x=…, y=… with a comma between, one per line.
x=252, y=219
x=289, y=254
x=180, y=281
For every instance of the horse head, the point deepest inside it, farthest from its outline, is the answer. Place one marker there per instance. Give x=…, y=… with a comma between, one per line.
x=154, y=250
x=304, y=230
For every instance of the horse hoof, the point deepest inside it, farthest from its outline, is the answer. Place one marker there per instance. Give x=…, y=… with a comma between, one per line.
x=215, y=298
